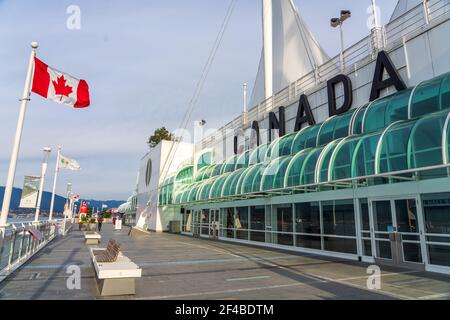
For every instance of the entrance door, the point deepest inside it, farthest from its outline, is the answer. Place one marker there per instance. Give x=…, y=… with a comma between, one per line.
x=397, y=233
x=214, y=225
x=205, y=222
x=196, y=224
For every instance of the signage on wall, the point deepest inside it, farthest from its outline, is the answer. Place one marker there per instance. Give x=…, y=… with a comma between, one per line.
x=384, y=65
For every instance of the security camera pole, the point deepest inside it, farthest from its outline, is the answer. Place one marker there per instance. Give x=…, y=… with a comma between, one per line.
x=338, y=22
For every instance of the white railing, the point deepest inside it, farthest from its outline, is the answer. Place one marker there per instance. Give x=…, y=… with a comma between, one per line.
x=24, y=240
x=365, y=49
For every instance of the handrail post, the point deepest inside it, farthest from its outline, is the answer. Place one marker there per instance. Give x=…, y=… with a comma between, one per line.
x=12, y=248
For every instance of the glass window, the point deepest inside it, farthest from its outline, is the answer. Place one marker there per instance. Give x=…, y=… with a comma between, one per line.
x=364, y=211
x=228, y=223
x=406, y=213
x=241, y=223
x=257, y=222
x=436, y=209
x=339, y=218
x=284, y=226
x=307, y=218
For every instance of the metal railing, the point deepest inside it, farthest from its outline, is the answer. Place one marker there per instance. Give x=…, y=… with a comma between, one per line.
x=413, y=20
x=23, y=240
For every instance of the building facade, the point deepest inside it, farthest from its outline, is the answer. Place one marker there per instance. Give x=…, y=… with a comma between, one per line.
x=351, y=164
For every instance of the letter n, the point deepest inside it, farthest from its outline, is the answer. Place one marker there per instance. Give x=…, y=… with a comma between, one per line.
x=304, y=113
x=275, y=124
x=384, y=63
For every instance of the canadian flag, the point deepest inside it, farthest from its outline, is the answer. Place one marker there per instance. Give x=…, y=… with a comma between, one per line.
x=59, y=87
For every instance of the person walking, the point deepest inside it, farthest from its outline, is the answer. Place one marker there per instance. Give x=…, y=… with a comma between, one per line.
x=100, y=222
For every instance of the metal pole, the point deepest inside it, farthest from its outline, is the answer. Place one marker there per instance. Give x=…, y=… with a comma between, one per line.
x=426, y=10
x=55, y=178
x=41, y=186
x=16, y=146
x=342, y=47
x=268, y=47
x=245, y=97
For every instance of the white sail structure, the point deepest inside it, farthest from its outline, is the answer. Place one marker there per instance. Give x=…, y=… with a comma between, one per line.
x=404, y=6
x=290, y=50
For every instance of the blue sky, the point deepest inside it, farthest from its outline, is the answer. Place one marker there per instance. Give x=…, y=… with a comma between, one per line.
x=142, y=60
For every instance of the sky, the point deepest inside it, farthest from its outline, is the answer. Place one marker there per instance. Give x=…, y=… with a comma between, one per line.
x=141, y=59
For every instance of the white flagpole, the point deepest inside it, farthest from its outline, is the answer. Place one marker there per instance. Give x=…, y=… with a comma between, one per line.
x=16, y=146
x=55, y=178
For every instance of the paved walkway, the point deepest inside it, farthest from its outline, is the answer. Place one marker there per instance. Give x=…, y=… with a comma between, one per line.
x=179, y=267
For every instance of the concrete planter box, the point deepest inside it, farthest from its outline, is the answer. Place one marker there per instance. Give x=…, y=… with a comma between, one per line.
x=83, y=227
x=92, y=227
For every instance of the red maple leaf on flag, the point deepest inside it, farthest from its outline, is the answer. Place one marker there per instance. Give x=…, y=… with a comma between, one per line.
x=61, y=88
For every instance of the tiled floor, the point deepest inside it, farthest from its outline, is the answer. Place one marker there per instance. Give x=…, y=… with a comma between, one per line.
x=179, y=267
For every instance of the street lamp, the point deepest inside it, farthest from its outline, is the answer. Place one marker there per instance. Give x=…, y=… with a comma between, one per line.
x=338, y=22
x=47, y=151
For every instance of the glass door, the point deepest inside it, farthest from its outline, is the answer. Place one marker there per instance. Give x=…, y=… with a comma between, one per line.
x=205, y=222
x=196, y=224
x=214, y=224
x=397, y=233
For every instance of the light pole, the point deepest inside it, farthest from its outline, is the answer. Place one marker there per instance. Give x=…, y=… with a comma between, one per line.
x=338, y=22
x=47, y=152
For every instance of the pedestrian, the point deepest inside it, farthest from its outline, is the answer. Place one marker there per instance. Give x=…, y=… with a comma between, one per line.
x=100, y=221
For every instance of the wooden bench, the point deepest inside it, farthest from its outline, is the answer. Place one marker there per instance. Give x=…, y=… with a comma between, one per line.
x=115, y=273
x=92, y=238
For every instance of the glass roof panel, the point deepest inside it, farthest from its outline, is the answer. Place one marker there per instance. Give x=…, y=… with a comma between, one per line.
x=243, y=159
x=358, y=120
x=323, y=163
x=258, y=155
x=425, y=143
x=273, y=176
x=229, y=187
x=393, y=154
x=294, y=170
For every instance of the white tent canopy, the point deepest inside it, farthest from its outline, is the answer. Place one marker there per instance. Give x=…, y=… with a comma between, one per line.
x=404, y=6
x=295, y=51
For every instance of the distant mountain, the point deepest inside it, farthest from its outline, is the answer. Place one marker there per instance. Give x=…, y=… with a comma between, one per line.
x=59, y=201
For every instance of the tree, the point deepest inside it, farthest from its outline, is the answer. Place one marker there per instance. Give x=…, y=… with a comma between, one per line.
x=158, y=136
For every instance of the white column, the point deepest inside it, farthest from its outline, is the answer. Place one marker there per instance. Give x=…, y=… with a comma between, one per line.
x=41, y=186
x=16, y=146
x=268, y=47
x=55, y=178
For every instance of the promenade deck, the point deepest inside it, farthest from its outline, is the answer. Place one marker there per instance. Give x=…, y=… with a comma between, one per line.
x=179, y=267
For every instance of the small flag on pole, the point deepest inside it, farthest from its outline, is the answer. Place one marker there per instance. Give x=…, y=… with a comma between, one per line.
x=68, y=164
x=59, y=87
